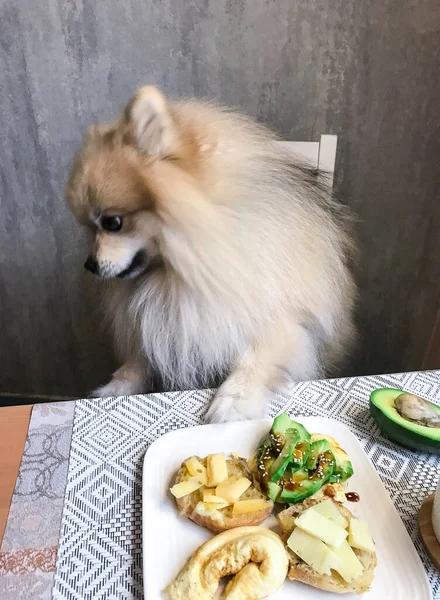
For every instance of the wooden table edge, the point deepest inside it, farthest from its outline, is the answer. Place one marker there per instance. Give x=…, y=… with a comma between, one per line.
x=14, y=425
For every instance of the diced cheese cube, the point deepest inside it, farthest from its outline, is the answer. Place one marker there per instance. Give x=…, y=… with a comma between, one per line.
x=231, y=491
x=321, y=527
x=211, y=506
x=359, y=535
x=248, y=506
x=350, y=567
x=185, y=487
x=217, y=469
x=230, y=479
x=329, y=510
x=313, y=551
x=209, y=495
x=197, y=470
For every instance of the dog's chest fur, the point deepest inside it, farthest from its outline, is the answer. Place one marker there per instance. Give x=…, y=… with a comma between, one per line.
x=190, y=340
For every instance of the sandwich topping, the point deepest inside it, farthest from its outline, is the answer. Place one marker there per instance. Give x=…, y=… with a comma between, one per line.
x=292, y=464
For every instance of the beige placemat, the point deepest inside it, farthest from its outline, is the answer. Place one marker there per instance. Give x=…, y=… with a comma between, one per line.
x=30, y=543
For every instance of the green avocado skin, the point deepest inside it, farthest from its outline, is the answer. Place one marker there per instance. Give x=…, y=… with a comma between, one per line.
x=401, y=435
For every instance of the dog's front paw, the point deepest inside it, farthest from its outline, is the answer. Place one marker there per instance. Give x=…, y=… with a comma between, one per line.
x=126, y=381
x=117, y=387
x=222, y=409
x=235, y=407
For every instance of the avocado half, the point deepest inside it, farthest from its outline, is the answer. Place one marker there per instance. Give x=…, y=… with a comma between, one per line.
x=400, y=430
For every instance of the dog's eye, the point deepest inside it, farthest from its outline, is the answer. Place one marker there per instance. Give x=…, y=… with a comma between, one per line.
x=111, y=223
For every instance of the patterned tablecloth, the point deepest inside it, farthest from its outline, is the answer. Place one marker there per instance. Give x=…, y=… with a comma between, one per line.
x=99, y=554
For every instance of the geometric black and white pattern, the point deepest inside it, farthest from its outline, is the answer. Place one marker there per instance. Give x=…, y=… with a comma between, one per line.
x=100, y=548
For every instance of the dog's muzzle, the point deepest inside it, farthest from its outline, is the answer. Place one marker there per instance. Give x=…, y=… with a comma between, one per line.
x=139, y=265
x=136, y=267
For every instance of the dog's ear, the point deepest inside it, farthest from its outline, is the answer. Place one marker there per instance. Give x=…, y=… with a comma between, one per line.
x=150, y=122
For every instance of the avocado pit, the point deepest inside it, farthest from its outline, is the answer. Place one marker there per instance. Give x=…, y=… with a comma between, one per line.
x=417, y=410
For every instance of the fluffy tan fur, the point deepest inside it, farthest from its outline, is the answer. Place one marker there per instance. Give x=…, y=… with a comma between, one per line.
x=241, y=267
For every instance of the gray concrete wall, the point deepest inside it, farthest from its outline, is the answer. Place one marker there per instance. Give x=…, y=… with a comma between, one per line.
x=367, y=71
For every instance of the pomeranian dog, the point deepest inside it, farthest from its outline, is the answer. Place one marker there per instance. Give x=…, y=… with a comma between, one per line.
x=229, y=262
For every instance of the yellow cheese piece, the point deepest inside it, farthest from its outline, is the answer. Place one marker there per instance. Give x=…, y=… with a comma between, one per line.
x=185, y=487
x=329, y=510
x=248, y=506
x=359, y=536
x=208, y=495
x=313, y=551
x=211, y=506
x=217, y=469
x=231, y=491
x=349, y=567
x=321, y=527
x=230, y=479
x=197, y=470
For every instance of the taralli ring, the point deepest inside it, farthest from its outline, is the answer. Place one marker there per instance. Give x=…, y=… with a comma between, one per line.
x=256, y=556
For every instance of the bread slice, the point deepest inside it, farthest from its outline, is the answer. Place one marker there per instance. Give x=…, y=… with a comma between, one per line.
x=300, y=571
x=222, y=519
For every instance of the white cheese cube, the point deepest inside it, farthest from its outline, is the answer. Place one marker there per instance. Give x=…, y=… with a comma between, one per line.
x=313, y=551
x=359, y=536
x=321, y=527
x=329, y=510
x=349, y=567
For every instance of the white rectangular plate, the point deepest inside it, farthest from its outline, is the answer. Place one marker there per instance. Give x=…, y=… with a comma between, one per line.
x=169, y=540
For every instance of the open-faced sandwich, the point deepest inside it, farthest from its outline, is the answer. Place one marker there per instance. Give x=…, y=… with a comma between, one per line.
x=220, y=493
x=328, y=547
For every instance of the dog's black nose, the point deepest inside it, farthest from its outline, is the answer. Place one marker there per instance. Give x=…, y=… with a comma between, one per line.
x=91, y=265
